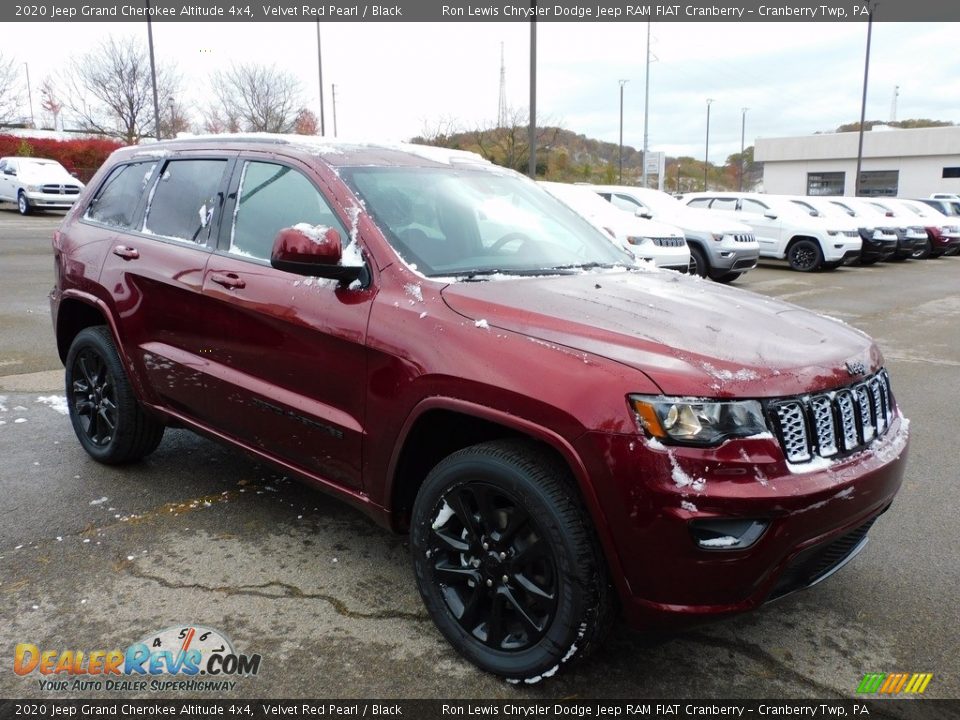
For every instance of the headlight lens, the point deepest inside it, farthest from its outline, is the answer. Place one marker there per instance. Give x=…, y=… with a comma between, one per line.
x=833, y=232
x=33, y=188
x=697, y=422
x=717, y=236
x=637, y=240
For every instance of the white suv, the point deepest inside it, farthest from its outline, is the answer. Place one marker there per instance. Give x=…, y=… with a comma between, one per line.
x=719, y=247
x=785, y=231
x=664, y=245
x=35, y=183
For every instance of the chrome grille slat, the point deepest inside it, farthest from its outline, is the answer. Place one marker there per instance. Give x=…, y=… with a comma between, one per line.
x=833, y=423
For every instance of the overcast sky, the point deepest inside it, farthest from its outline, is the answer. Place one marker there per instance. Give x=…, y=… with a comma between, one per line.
x=394, y=79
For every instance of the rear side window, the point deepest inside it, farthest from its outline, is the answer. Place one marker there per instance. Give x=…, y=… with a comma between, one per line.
x=627, y=203
x=272, y=197
x=117, y=199
x=185, y=199
x=729, y=204
x=753, y=206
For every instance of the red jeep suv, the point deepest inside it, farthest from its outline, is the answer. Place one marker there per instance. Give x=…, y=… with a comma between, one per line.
x=563, y=432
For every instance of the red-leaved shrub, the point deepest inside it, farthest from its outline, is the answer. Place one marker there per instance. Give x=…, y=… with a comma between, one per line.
x=81, y=155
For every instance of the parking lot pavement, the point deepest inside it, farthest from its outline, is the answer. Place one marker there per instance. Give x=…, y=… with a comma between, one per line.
x=93, y=557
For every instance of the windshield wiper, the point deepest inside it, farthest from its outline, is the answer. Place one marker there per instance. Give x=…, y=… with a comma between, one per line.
x=584, y=266
x=480, y=274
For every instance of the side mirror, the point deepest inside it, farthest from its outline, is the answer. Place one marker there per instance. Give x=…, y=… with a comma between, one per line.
x=772, y=215
x=74, y=174
x=314, y=251
x=10, y=171
x=645, y=214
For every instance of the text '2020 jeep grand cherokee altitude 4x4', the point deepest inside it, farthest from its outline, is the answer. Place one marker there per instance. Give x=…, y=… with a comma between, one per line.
x=442, y=344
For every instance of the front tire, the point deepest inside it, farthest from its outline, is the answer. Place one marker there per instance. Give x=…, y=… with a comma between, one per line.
x=727, y=277
x=805, y=256
x=698, y=262
x=109, y=422
x=506, y=560
x=23, y=205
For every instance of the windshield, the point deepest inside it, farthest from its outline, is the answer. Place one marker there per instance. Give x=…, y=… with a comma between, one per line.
x=466, y=222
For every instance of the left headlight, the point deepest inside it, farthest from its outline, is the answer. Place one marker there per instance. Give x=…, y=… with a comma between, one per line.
x=697, y=422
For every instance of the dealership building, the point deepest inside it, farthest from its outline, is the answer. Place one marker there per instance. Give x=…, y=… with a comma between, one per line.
x=896, y=163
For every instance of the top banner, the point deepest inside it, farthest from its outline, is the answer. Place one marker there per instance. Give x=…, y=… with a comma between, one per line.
x=477, y=11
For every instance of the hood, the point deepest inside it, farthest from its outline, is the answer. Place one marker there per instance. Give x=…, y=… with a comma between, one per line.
x=48, y=174
x=690, y=336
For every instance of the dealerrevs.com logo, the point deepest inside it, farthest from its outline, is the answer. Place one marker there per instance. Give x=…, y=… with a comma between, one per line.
x=188, y=658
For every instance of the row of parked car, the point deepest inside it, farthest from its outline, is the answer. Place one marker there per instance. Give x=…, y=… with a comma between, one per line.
x=723, y=234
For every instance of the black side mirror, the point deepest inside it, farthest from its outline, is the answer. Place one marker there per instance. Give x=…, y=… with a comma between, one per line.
x=313, y=253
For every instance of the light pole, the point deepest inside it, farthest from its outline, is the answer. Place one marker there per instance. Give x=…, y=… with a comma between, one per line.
x=153, y=75
x=532, y=129
x=33, y=122
x=320, y=73
x=622, y=83
x=863, y=102
x=706, y=154
x=646, y=110
x=743, y=133
x=333, y=91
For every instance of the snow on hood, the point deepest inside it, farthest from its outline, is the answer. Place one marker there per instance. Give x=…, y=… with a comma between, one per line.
x=690, y=336
x=707, y=221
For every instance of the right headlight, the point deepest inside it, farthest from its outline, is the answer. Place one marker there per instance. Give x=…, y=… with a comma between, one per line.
x=689, y=421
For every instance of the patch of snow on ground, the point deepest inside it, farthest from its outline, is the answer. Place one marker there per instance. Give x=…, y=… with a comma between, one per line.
x=20, y=420
x=55, y=402
x=99, y=501
x=3, y=403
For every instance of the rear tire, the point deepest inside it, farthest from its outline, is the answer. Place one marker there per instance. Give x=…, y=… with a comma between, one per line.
x=23, y=205
x=506, y=560
x=727, y=277
x=805, y=256
x=109, y=422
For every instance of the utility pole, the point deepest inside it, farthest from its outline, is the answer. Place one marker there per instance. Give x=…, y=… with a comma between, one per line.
x=893, y=105
x=646, y=111
x=153, y=74
x=502, y=102
x=706, y=154
x=532, y=130
x=323, y=130
x=622, y=83
x=33, y=122
x=333, y=91
x=743, y=133
x=863, y=101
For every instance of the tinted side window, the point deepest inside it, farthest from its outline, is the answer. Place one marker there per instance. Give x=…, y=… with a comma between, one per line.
x=272, y=197
x=116, y=201
x=728, y=204
x=626, y=203
x=753, y=206
x=699, y=203
x=184, y=199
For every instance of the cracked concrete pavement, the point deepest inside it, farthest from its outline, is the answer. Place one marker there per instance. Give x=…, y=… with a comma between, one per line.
x=93, y=557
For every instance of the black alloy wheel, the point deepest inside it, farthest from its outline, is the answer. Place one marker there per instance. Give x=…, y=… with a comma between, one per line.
x=107, y=418
x=507, y=562
x=805, y=256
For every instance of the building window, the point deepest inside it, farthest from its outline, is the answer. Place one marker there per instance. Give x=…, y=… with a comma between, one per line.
x=825, y=183
x=953, y=172
x=879, y=183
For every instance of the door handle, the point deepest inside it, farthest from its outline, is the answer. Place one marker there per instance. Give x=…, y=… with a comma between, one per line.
x=228, y=280
x=127, y=253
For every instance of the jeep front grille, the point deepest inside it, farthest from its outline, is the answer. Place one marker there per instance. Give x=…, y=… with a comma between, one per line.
x=834, y=423
x=745, y=238
x=669, y=241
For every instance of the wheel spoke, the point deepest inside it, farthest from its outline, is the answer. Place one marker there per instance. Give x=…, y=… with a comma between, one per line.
x=82, y=362
x=531, y=587
x=456, y=574
x=495, y=622
x=460, y=504
x=452, y=543
x=534, y=551
x=105, y=416
x=521, y=612
x=84, y=407
x=470, y=617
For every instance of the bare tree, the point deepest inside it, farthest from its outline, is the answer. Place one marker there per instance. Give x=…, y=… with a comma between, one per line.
x=110, y=90
x=50, y=101
x=11, y=94
x=259, y=98
x=173, y=118
x=509, y=144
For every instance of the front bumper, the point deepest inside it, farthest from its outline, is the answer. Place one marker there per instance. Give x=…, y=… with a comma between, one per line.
x=734, y=255
x=50, y=200
x=907, y=245
x=875, y=248
x=668, y=578
x=841, y=248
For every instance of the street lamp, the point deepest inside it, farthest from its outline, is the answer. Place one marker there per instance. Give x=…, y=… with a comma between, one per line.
x=320, y=73
x=622, y=83
x=743, y=132
x=863, y=103
x=706, y=154
x=153, y=74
